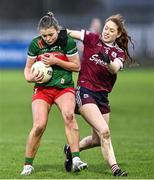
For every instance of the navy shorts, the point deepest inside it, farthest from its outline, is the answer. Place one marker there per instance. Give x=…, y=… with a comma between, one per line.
x=85, y=96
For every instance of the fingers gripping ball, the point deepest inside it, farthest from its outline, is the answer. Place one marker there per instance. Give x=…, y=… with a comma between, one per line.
x=59, y=55
x=40, y=68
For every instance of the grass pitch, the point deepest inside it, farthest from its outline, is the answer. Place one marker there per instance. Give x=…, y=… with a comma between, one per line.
x=131, y=124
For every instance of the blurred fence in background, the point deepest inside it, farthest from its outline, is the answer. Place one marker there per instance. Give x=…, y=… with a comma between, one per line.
x=13, y=47
x=18, y=24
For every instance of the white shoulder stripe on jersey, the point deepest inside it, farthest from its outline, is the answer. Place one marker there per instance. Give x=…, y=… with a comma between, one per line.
x=82, y=34
x=70, y=55
x=32, y=57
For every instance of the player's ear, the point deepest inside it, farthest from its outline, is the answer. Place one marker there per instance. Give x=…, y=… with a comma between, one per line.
x=119, y=34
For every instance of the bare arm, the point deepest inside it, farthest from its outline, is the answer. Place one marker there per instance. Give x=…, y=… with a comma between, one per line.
x=74, y=34
x=28, y=74
x=72, y=65
x=115, y=66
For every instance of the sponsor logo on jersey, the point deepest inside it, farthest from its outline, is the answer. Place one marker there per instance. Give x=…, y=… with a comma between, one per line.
x=62, y=81
x=95, y=58
x=55, y=48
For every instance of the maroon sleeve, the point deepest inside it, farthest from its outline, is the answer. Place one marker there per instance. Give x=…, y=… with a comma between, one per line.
x=121, y=56
x=90, y=38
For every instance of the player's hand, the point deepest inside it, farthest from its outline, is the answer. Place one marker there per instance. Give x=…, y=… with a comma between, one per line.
x=49, y=59
x=62, y=38
x=36, y=76
x=104, y=57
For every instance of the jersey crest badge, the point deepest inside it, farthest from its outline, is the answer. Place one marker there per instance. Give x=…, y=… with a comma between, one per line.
x=114, y=54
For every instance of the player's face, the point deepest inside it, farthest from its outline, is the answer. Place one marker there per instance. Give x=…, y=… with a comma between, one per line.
x=49, y=35
x=110, y=32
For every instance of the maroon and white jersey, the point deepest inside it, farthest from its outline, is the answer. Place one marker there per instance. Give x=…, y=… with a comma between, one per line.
x=94, y=73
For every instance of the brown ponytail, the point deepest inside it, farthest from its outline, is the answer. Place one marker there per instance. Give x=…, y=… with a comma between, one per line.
x=48, y=21
x=124, y=38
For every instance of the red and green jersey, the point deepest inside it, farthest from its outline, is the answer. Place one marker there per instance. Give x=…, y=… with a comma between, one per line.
x=61, y=77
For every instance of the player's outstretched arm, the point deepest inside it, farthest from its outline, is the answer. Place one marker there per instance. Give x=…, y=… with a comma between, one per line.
x=114, y=66
x=74, y=34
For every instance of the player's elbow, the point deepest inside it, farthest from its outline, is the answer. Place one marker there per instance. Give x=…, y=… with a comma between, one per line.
x=78, y=67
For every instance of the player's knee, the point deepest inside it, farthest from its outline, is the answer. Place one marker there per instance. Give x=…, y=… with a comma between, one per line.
x=38, y=130
x=70, y=121
x=68, y=117
x=105, y=134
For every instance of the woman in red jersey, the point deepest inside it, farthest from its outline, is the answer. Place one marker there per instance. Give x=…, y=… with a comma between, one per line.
x=103, y=56
x=58, y=90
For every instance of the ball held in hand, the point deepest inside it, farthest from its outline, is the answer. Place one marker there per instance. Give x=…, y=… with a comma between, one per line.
x=40, y=68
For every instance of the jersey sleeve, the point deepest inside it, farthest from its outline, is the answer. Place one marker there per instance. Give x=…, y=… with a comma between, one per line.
x=121, y=57
x=89, y=38
x=32, y=50
x=71, y=47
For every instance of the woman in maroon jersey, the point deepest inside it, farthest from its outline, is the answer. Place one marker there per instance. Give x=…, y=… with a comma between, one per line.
x=103, y=56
